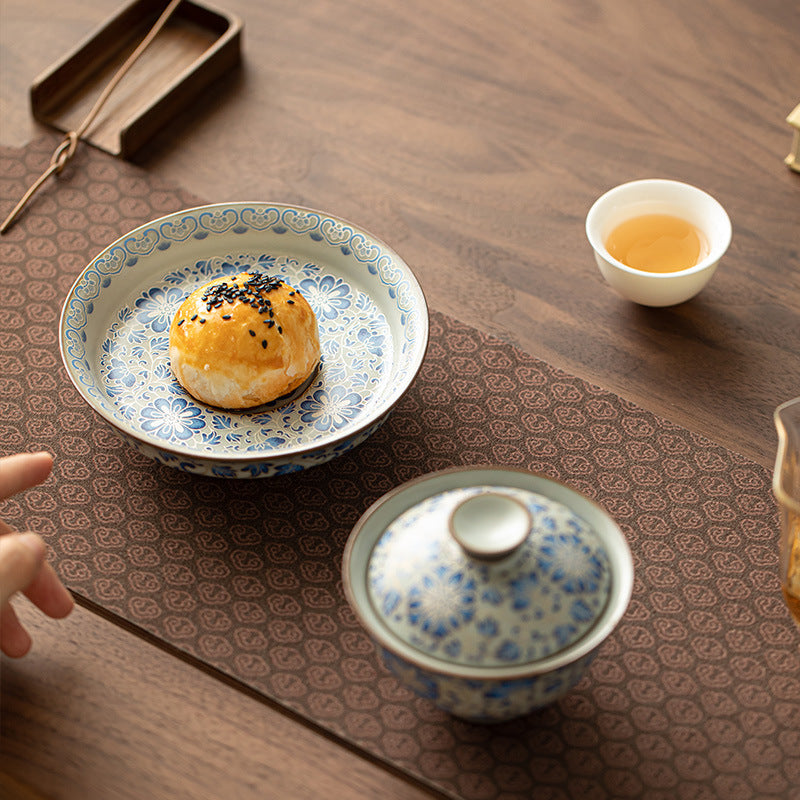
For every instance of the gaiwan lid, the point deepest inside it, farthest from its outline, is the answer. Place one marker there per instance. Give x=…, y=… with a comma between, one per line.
x=489, y=576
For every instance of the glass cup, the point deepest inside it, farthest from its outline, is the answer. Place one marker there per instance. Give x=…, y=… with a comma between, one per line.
x=786, y=486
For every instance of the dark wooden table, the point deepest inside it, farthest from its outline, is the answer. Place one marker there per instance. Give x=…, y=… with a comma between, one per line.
x=471, y=137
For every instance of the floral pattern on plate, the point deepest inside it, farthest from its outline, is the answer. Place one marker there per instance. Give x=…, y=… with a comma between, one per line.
x=137, y=348
x=371, y=315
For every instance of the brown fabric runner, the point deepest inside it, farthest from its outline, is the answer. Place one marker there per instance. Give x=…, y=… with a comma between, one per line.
x=697, y=693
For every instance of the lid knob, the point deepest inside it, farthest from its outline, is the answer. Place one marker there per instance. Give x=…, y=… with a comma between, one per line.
x=490, y=526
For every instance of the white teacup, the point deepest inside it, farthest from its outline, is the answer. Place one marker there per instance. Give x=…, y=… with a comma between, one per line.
x=656, y=196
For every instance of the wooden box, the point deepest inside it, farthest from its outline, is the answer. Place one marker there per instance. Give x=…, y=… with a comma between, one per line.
x=196, y=46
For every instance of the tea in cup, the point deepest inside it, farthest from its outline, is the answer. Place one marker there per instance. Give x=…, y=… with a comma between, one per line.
x=658, y=242
x=786, y=487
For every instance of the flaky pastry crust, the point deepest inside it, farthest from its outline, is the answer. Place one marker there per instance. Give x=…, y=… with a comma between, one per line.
x=238, y=342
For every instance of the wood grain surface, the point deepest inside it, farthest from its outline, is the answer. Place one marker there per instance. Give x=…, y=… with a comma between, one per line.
x=472, y=137
x=95, y=712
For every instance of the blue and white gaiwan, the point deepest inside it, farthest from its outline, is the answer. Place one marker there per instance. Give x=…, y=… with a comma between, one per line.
x=488, y=590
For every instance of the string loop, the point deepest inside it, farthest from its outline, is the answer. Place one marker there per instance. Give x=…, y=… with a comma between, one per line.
x=66, y=150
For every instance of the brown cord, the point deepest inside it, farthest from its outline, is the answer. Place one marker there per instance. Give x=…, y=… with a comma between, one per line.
x=66, y=150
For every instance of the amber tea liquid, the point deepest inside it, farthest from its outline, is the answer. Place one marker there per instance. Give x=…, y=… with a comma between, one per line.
x=791, y=578
x=657, y=243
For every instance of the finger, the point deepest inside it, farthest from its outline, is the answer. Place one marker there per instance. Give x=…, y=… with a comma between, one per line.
x=14, y=639
x=48, y=594
x=23, y=470
x=21, y=558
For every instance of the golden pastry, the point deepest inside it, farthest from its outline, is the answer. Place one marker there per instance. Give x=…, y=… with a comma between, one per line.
x=242, y=341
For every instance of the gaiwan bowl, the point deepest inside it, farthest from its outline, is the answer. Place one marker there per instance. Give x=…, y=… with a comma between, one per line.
x=487, y=590
x=656, y=196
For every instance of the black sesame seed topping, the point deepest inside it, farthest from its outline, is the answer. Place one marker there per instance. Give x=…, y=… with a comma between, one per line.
x=180, y=322
x=194, y=318
x=226, y=316
x=202, y=321
x=264, y=343
x=252, y=291
x=290, y=302
x=280, y=330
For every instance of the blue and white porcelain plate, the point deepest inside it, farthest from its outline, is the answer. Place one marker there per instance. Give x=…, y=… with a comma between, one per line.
x=371, y=312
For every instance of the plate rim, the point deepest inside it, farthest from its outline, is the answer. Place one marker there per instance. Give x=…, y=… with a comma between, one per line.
x=258, y=456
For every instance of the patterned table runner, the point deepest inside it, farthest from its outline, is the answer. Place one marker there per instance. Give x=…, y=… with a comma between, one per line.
x=697, y=693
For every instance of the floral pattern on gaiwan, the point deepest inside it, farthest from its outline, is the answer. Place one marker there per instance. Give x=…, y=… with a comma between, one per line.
x=530, y=605
x=487, y=700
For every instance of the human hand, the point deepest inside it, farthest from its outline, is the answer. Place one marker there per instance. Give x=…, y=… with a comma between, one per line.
x=23, y=565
